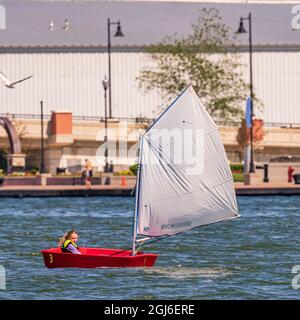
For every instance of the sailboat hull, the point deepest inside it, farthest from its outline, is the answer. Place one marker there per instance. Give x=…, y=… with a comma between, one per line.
x=97, y=258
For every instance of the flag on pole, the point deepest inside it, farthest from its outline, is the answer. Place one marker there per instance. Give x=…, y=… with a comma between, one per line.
x=248, y=113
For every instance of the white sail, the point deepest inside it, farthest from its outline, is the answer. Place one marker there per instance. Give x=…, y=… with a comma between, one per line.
x=184, y=180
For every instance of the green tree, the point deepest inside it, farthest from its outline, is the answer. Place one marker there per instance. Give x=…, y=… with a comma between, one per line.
x=207, y=59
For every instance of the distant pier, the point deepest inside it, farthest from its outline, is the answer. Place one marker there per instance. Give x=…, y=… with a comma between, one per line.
x=64, y=191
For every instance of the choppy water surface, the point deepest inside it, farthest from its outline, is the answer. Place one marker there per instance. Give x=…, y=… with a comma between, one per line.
x=247, y=258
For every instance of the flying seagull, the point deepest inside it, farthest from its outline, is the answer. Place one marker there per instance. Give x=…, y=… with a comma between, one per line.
x=8, y=83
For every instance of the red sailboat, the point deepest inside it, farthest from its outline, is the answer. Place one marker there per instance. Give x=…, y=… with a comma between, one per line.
x=173, y=193
x=97, y=258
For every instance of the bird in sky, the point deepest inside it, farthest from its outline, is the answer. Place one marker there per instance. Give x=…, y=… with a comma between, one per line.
x=10, y=84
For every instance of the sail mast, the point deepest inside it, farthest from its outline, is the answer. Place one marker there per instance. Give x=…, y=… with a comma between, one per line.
x=137, y=193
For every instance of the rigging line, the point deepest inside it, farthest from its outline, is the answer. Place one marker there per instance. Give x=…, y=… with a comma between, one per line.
x=132, y=193
x=140, y=246
x=121, y=251
x=156, y=120
x=161, y=238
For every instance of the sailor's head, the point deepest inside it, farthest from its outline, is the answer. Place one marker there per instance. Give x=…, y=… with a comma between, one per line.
x=72, y=235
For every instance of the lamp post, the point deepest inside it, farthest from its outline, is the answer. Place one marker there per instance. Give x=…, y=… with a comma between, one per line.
x=241, y=29
x=105, y=84
x=42, y=169
x=119, y=33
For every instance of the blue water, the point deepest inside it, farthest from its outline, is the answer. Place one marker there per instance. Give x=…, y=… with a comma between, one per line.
x=246, y=258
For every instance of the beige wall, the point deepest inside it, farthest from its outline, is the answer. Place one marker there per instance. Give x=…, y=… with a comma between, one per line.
x=88, y=139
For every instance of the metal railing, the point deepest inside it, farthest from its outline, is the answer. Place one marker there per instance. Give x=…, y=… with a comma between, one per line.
x=143, y=120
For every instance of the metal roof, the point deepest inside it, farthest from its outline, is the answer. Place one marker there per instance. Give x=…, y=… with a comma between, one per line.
x=143, y=22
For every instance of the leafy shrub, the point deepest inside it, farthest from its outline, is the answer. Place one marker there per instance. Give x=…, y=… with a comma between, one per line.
x=34, y=171
x=124, y=173
x=18, y=174
x=134, y=169
x=237, y=167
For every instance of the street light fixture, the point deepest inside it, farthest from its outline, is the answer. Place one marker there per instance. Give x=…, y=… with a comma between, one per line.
x=119, y=33
x=242, y=29
x=105, y=84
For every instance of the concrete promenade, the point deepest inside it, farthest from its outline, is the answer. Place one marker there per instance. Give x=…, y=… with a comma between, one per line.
x=64, y=191
x=266, y=189
x=118, y=190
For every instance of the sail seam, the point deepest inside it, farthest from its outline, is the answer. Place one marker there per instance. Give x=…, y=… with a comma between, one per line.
x=218, y=184
x=212, y=130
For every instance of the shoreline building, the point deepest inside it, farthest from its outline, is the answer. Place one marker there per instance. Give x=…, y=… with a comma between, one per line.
x=63, y=44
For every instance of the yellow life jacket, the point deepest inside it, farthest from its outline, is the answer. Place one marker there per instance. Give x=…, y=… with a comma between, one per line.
x=66, y=243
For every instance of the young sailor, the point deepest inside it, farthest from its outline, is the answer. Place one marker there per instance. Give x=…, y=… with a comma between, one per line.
x=68, y=242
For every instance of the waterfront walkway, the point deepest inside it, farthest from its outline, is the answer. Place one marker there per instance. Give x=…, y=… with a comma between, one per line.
x=265, y=189
x=118, y=190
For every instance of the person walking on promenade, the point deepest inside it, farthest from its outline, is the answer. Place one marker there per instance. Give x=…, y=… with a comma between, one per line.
x=88, y=173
